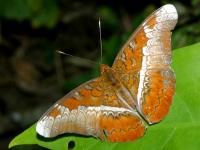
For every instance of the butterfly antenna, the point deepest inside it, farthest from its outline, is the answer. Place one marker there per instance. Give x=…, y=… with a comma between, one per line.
x=76, y=57
x=100, y=40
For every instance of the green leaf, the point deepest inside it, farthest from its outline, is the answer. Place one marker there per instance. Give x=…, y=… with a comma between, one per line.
x=38, y=12
x=178, y=131
x=35, y=5
x=14, y=9
x=48, y=16
x=108, y=16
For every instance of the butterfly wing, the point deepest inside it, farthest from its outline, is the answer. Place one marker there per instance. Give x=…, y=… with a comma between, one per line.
x=143, y=64
x=99, y=107
x=94, y=109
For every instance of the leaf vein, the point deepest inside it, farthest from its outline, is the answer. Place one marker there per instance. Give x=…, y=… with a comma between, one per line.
x=186, y=108
x=168, y=139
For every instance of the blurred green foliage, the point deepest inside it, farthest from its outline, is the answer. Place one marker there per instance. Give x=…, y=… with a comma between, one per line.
x=39, y=12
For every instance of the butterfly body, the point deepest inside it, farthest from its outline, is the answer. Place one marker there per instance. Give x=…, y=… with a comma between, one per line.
x=122, y=92
x=136, y=90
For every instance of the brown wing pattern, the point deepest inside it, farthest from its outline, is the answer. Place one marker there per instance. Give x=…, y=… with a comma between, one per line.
x=143, y=64
x=94, y=109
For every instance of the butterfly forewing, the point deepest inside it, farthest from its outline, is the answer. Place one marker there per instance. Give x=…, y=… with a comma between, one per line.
x=143, y=64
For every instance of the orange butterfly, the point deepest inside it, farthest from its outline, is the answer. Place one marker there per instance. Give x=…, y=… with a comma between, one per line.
x=138, y=88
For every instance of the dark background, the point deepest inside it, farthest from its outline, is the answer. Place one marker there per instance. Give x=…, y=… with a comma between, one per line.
x=33, y=75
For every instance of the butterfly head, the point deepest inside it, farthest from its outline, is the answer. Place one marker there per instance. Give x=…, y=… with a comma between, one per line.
x=109, y=74
x=104, y=69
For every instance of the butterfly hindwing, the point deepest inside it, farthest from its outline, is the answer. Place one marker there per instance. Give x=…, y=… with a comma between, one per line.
x=143, y=64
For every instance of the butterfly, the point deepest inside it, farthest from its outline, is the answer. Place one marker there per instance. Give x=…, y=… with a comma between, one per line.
x=137, y=90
